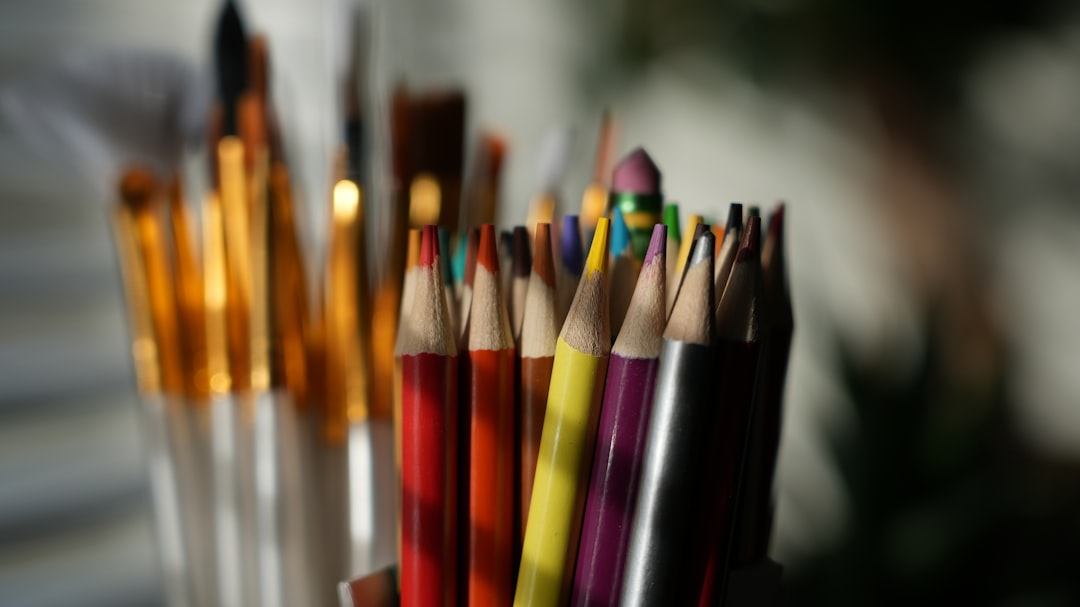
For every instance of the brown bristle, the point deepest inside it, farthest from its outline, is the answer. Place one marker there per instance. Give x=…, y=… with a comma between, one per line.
x=137, y=186
x=258, y=65
x=436, y=146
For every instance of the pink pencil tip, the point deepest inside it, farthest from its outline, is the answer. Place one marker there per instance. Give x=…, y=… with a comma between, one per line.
x=637, y=174
x=429, y=246
x=658, y=244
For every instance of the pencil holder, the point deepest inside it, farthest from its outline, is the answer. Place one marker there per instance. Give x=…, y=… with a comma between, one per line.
x=756, y=585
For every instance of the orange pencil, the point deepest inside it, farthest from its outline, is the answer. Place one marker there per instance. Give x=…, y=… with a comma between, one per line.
x=491, y=444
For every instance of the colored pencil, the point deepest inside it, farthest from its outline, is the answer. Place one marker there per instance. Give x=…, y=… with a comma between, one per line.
x=755, y=512
x=577, y=382
x=539, y=332
x=491, y=436
x=674, y=241
x=519, y=288
x=506, y=261
x=737, y=353
x=471, y=246
x=692, y=222
x=412, y=258
x=429, y=463
x=624, y=270
x=662, y=567
x=636, y=191
x=448, y=278
x=569, y=262
x=620, y=442
x=729, y=247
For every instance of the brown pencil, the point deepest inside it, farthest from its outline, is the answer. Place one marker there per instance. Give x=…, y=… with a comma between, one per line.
x=539, y=332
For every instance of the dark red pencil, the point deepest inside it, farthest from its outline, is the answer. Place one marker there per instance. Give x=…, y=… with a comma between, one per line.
x=428, y=455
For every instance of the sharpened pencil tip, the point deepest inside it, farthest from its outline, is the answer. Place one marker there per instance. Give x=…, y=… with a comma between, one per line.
x=522, y=256
x=429, y=246
x=658, y=244
x=751, y=242
x=598, y=253
x=570, y=244
x=488, y=253
x=704, y=247
x=543, y=263
x=734, y=217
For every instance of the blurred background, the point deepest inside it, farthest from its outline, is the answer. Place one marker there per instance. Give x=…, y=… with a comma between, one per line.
x=930, y=156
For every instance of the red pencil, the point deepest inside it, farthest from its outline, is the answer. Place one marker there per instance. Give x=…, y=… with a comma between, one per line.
x=428, y=455
x=738, y=352
x=491, y=435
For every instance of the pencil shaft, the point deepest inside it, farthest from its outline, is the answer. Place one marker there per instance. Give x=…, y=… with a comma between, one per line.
x=428, y=546
x=738, y=364
x=549, y=550
x=613, y=483
x=535, y=380
x=491, y=482
x=660, y=570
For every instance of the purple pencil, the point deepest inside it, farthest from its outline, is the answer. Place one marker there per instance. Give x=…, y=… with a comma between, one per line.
x=624, y=417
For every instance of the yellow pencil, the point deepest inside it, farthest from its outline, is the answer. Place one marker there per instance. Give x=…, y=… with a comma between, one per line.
x=577, y=384
x=675, y=278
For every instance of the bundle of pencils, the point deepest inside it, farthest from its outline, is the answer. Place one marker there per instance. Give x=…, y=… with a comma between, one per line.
x=584, y=410
x=585, y=473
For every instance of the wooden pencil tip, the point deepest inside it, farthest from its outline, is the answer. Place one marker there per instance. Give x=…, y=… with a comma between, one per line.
x=658, y=244
x=543, y=263
x=598, y=253
x=522, y=256
x=751, y=243
x=429, y=246
x=488, y=253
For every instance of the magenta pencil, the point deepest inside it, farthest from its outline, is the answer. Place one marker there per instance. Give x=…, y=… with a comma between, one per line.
x=624, y=418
